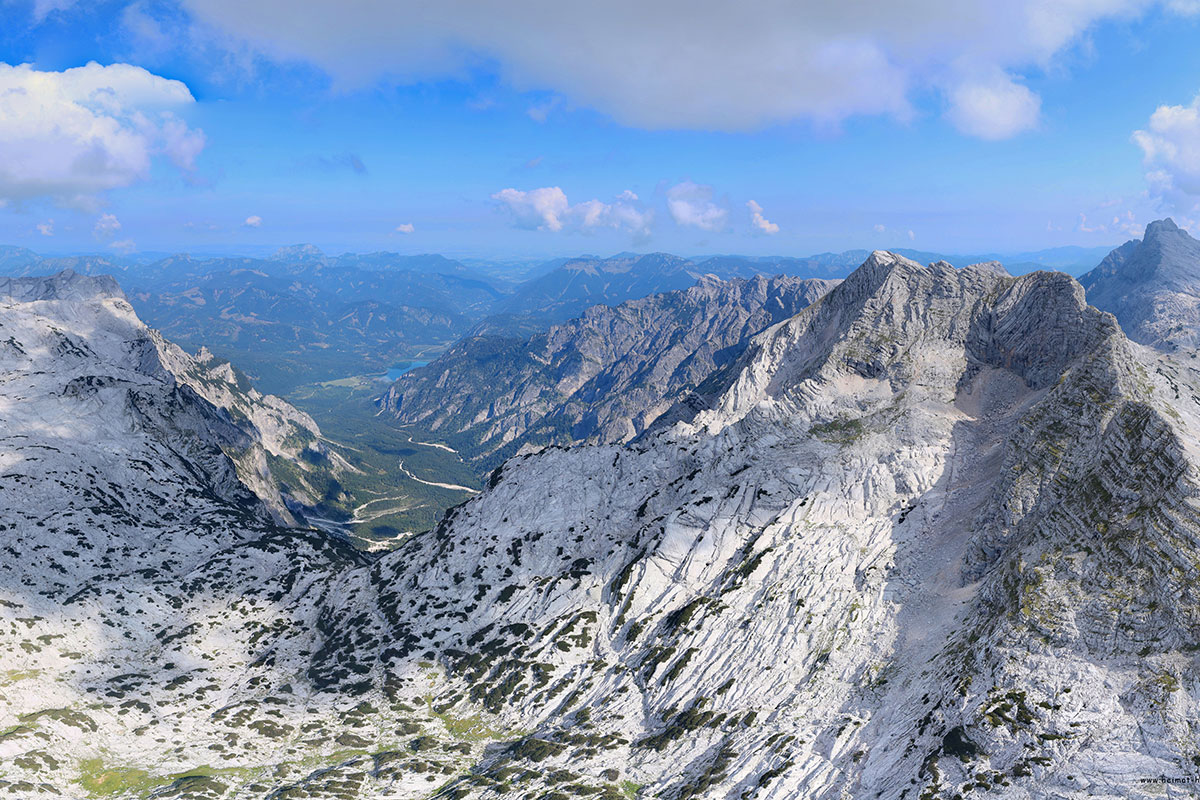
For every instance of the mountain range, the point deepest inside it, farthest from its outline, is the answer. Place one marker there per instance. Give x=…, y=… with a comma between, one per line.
x=605, y=376
x=926, y=533
x=301, y=317
x=1151, y=286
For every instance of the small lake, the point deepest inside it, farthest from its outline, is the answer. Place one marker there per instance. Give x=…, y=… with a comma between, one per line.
x=395, y=372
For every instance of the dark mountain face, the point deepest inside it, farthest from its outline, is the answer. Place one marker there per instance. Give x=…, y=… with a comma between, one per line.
x=1152, y=286
x=606, y=375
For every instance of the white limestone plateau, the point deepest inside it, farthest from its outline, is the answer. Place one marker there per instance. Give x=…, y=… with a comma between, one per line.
x=934, y=536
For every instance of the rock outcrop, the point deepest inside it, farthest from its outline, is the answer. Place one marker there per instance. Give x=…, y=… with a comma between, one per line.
x=1152, y=286
x=934, y=536
x=605, y=376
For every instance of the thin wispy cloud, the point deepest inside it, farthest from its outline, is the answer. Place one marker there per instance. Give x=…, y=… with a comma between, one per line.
x=343, y=161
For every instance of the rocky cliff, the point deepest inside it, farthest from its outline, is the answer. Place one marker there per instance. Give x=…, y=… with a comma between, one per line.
x=933, y=536
x=605, y=376
x=1152, y=286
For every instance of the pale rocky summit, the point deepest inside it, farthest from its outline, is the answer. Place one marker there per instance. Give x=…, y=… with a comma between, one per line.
x=934, y=536
x=605, y=376
x=1152, y=286
x=270, y=442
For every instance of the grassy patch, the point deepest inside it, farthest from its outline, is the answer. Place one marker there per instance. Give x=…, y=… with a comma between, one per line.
x=842, y=430
x=104, y=780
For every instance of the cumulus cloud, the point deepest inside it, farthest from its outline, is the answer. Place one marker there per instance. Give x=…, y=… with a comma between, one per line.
x=679, y=64
x=46, y=228
x=1171, y=148
x=995, y=108
x=72, y=135
x=879, y=228
x=124, y=245
x=253, y=221
x=760, y=222
x=405, y=227
x=106, y=226
x=547, y=209
x=1121, y=223
x=691, y=204
x=538, y=209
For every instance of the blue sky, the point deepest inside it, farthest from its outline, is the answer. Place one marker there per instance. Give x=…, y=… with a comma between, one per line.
x=210, y=125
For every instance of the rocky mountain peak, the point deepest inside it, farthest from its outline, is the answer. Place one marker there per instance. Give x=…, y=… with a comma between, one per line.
x=1152, y=286
x=64, y=285
x=791, y=565
x=947, y=546
x=890, y=319
x=1159, y=228
x=607, y=374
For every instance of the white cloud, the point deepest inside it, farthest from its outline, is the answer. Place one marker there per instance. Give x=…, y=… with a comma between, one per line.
x=46, y=228
x=1121, y=223
x=106, y=226
x=691, y=204
x=405, y=227
x=547, y=209
x=995, y=108
x=911, y=236
x=1171, y=149
x=680, y=64
x=253, y=221
x=880, y=228
x=760, y=222
x=538, y=209
x=75, y=134
x=124, y=245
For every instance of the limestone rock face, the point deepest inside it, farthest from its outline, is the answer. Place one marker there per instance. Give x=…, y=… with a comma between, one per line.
x=933, y=536
x=604, y=377
x=934, y=533
x=1152, y=286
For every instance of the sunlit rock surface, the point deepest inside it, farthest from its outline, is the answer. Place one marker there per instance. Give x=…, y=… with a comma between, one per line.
x=933, y=536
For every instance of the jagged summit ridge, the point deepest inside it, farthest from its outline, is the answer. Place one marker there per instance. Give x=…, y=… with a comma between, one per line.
x=65, y=285
x=1152, y=285
x=935, y=536
x=828, y=582
x=884, y=310
x=82, y=332
x=606, y=375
